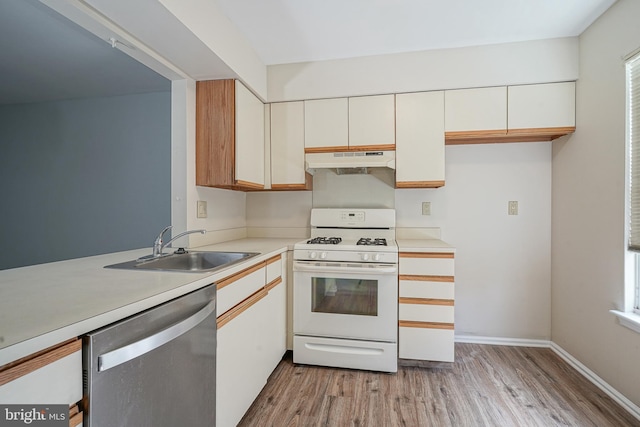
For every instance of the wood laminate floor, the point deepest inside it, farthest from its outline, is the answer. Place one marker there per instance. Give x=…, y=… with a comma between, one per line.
x=487, y=386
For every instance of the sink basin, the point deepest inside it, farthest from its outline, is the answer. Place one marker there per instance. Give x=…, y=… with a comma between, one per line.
x=197, y=262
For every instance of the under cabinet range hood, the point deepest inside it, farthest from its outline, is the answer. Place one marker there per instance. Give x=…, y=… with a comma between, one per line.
x=350, y=162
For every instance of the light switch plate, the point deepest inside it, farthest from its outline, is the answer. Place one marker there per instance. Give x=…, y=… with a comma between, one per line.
x=426, y=208
x=513, y=207
x=202, y=209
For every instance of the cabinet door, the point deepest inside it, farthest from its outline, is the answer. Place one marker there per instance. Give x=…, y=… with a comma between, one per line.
x=372, y=122
x=420, y=140
x=54, y=376
x=249, y=141
x=326, y=125
x=550, y=105
x=240, y=373
x=287, y=145
x=482, y=109
x=234, y=289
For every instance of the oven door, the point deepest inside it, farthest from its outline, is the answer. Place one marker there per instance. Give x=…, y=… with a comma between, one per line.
x=346, y=300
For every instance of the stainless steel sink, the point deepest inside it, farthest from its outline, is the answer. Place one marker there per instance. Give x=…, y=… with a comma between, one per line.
x=196, y=262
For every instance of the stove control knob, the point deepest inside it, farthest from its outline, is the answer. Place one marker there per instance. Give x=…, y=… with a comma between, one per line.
x=376, y=257
x=364, y=257
x=323, y=255
x=313, y=255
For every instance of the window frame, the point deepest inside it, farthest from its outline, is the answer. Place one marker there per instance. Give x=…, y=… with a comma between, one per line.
x=632, y=293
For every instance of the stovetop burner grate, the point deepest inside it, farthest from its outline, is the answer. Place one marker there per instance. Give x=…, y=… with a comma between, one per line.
x=325, y=240
x=368, y=241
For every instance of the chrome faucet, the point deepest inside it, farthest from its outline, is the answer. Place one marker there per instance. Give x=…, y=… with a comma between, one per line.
x=159, y=245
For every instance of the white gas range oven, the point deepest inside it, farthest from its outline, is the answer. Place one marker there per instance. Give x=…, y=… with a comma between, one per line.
x=345, y=291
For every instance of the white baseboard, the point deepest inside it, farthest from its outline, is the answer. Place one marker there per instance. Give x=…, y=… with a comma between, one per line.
x=631, y=407
x=518, y=342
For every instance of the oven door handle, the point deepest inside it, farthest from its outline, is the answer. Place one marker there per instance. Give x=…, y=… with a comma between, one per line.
x=319, y=267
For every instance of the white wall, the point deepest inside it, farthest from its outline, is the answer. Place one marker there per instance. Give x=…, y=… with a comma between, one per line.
x=588, y=209
x=491, y=65
x=279, y=213
x=503, y=262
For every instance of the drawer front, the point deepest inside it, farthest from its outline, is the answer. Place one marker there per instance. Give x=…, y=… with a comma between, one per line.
x=424, y=265
x=426, y=344
x=426, y=312
x=426, y=289
x=274, y=268
x=54, y=377
x=234, y=289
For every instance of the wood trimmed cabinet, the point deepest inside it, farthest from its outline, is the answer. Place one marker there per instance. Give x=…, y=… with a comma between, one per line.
x=287, y=147
x=52, y=376
x=420, y=140
x=326, y=125
x=525, y=113
x=251, y=336
x=372, y=123
x=229, y=136
x=426, y=306
x=363, y=123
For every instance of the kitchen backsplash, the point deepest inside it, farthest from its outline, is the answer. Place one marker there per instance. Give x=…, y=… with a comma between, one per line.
x=371, y=190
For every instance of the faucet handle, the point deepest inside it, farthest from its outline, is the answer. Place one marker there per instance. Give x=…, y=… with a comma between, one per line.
x=157, y=244
x=159, y=238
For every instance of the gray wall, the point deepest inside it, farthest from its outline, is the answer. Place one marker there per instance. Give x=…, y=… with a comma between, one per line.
x=83, y=177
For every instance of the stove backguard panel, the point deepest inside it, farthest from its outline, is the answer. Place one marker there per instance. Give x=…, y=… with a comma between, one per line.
x=373, y=190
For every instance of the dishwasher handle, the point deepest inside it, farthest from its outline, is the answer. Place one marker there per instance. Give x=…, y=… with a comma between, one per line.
x=145, y=345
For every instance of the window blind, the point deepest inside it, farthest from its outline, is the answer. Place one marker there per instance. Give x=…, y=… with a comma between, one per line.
x=633, y=135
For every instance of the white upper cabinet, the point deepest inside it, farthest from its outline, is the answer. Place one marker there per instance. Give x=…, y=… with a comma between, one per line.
x=550, y=105
x=249, y=156
x=420, y=140
x=287, y=146
x=481, y=109
x=326, y=124
x=372, y=122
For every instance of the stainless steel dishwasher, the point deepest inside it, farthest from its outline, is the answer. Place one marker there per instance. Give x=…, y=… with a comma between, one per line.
x=156, y=368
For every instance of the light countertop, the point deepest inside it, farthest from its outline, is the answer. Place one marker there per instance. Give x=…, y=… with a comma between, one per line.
x=43, y=305
x=424, y=245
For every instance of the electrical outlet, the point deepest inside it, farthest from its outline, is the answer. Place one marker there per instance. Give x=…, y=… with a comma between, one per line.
x=202, y=209
x=426, y=208
x=513, y=207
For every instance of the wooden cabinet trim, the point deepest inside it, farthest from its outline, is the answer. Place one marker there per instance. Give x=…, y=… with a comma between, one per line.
x=339, y=149
x=269, y=286
x=419, y=184
x=426, y=255
x=426, y=301
x=239, y=275
x=510, y=135
x=426, y=278
x=26, y=365
x=425, y=325
x=75, y=416
x=239, y=308
x=249, y=185
x=273, y=259
x=215, y=133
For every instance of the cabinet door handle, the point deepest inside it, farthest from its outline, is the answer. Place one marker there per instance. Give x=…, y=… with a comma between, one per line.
x=145, y=345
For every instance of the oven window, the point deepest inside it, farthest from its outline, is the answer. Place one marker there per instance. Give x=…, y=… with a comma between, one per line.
x=344, y=296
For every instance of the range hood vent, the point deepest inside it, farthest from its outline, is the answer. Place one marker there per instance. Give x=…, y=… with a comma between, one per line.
x=351, y=162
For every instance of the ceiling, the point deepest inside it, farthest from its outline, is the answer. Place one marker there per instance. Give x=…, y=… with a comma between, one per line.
x=286, y=31
x=46, y=57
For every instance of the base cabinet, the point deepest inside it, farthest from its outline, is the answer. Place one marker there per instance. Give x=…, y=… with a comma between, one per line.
x=251, y=341
x=53, y=376
x=426, y=306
